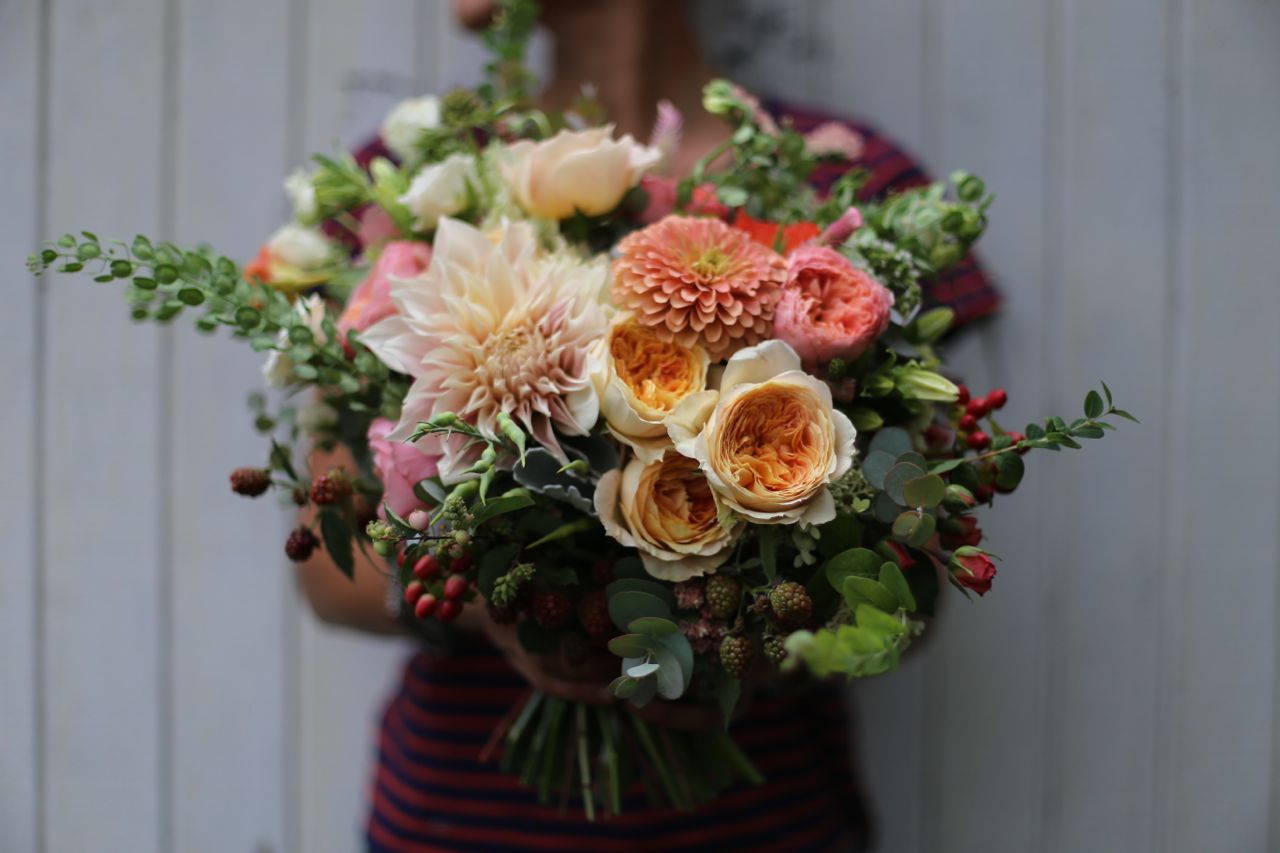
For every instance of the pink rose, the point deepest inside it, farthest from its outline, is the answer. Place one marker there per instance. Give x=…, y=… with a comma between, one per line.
x=371, y=301
x=376, y=228
x=400, y=467
x=662, y=200
x=829, y=308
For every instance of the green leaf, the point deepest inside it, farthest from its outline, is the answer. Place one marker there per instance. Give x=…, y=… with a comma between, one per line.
x=633, y=645
x=876, y=466
x=495, y=507
x=948, y=465
x=858, y=589
x=630, y=605
x=678, y=645
x=927, y=491
x=884, y=508
x=894, y=441
x=1093, y=404
x=671, y=678
x=653, y=626
x=892, y=579
x=281, y=460
x=1107, y=391
x=877, y=620
x=564, y=531
x=855, y=561
x=337, y=541
x=840, y=534
x=630, y=567
x=768, y=536
x=898, y=477
x=914, y=528
x=1009, y=471
x=623, y=686
x=644, y=584
x=494, y=563
x=1089, y=431
x=1128, y=417
x=642, y=670
x=1034, y=431
x=728, y=690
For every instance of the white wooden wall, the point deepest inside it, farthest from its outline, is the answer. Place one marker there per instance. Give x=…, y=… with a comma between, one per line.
x=160, y=688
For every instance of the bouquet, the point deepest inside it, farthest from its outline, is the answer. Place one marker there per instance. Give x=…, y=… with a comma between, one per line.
x=702, y=424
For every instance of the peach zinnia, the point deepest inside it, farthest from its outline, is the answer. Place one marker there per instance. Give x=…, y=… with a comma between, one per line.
x=667, y=511
x=696, y=281
x=640, y=378
x=769, y=440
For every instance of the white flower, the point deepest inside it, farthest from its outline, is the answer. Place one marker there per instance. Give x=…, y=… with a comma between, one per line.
x=769, y=440
x=440, y=189
x=300, y=247
x=668, y=512
x=302, y=194
x=405, y=123
x=278, y=370
x=584, y=170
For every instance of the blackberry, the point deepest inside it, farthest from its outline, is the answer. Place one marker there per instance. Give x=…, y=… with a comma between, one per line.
x=791, y=603
x=552, y=609
x=774, y=649
x=723, y=594
x=736, y=652
x=250, y=482
x=330, y=488
x=593, y=614
x=301, y=544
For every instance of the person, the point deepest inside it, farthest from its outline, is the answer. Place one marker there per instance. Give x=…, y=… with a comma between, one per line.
x=430, y=790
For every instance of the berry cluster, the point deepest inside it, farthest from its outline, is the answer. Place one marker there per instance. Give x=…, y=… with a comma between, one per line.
x=431, y=593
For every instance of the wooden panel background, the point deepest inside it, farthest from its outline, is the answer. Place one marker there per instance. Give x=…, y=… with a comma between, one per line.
x=160, y=688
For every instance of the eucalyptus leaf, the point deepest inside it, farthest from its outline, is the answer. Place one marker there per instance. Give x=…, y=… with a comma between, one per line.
x=927, y=491
x=630, y=605
x=877, y=465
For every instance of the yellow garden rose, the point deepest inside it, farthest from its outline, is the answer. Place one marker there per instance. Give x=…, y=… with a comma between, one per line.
x=768, y=440
x=584, y=170
x=640, y=379
x=667, y=511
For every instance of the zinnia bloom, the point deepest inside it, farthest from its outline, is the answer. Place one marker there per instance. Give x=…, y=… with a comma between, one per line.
x=668, y=512
x=492, y=328
x=640, y=378
x=829, y=308
x=769, y=440
x=696, y=281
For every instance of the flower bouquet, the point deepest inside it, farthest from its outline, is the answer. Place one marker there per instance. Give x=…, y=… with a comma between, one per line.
x=701, y=424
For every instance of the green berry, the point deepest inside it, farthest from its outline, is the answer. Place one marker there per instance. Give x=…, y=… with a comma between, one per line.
x=723, y=594
x=774, y=649
x=736, y=653
x=791, y=603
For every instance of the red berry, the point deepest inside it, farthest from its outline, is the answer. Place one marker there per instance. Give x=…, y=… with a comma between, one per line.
x=602, y=572
x=984, y=493
x=250, y=482
x=400, y=555
x=968, y=423
x=977, y=408
x=551, y=609
x=427, y=567
x=937, y=436
x=413, y=590
x=449, y=611
x=300, y=545
x=1017, y=437
x=330, y=489
x=978, y=440
x=460, y=564
x=962, y=395
x=456, y=587
x=427, y=605
x=593, y=613
x=997, y=398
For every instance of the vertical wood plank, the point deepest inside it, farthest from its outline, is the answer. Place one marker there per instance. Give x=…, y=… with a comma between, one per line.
x=102, y=514
x=360, y=61
x=20, y=77
x=1107, y=276
x=230, y=581
x=860, y=40
x=986, y=86
x=1220, y=665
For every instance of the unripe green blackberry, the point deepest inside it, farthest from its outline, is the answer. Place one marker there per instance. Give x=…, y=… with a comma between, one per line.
x=723, y=594
x=774, y=649
x=791, y=603
x=736, y=653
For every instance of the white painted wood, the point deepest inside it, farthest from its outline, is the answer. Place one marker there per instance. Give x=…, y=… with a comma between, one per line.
x=1220, y=620
x=985, y=98
x=19, y=574
x=1106, y=287
x=103, y=511
x=231, y=583
x=360, y=60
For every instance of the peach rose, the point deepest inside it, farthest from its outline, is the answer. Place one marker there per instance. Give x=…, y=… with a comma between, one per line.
x=584, y=170
x=640, y=378
x=668, y=512
x=769, y=440
x=371, y=300
x=399, y=467
x=829, y=308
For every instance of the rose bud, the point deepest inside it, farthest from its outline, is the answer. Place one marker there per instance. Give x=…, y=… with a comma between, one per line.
x=958, y=498
x=973, y=569
x=960, y=531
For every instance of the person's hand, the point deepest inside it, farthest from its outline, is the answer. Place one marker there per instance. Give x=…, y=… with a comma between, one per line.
x=586, y=681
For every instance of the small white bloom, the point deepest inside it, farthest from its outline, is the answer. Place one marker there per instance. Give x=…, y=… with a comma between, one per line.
x=300, y=247
x=302, y=194
x=440, y=189
x=277, y=372
x=405, y=123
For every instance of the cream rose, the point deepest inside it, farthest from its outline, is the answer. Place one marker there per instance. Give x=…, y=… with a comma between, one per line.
x=440, y=189
x=640, y=379
x=667, y=511
x=405, y=123
x=769, y=440
x=586, y=170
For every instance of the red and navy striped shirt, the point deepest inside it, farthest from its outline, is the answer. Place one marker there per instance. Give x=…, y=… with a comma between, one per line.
x=431, y=792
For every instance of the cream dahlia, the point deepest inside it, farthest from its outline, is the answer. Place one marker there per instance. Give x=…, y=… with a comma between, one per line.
x=667, y=511
x=495, y=326
x=697, y=281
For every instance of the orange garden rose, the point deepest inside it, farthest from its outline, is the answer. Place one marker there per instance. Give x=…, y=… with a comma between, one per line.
x=640, y=378
x=669, y=513
x=769, y=440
